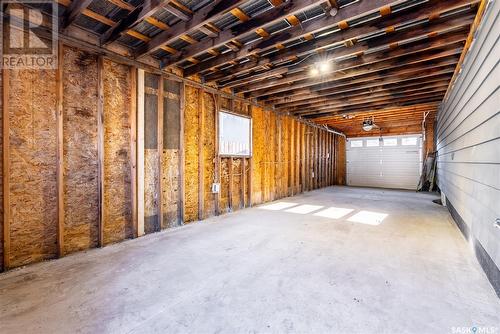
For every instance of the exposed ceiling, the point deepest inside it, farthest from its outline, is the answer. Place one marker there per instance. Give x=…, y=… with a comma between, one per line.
x=320, y=60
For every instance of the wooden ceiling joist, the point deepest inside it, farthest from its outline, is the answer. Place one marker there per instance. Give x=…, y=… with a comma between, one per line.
x=271, y=17
x=309, y=27
x=73, y=11
x=362, y=90
x=207, y=14
x=381, y=43
x=306, y=93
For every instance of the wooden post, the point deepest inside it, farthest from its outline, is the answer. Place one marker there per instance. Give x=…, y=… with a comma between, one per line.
x=133, y=147
x=160, y=151
x=217, y=161
x=100, y=147
x=201, y=180
x=291, y=155
x=60, y=150
x=6, y=168
x=230, y=192
x=182, y=154
x=279, y=170
x=140, y=152
x=250, y=162
x=243, y=182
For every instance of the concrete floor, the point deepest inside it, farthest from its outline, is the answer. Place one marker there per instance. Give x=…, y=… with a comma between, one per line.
x=296, y=267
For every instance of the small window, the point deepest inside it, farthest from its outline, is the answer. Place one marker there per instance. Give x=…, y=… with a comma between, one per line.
x=372, y=142
x=234, y=135
x=409, y=141
x=356, y=143
x=390, y=141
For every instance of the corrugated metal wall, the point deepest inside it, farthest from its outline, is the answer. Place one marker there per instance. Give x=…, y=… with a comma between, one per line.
x=468, y=139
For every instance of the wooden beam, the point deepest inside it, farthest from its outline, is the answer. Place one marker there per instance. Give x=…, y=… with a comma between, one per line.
x=140, y=152
x=271, y=17
x=142, y=12
x=449, y=42
x=100, y=149
x=182, y=153
x=217, y=160
x=201, y=162
x=305, y=110
x=60, y=149
x=432, y=103
x=311, y=26
x=133, y=148
x=376, y=87
x=302, y=80
x=468, y=43
x=207, y=14
x=75, y=8
x=230, y=191
x=6, y=167
x=251, y=161
x=392, y=91
x=160, y=150
x=381, y=44
x=372, y=81
x=179, y=12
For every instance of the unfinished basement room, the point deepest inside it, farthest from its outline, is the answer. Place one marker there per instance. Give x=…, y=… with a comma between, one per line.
x=250, y=166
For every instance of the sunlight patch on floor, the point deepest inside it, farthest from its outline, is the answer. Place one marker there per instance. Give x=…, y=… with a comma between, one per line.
x=334, y=213
x=304, y=209
x=368, y=217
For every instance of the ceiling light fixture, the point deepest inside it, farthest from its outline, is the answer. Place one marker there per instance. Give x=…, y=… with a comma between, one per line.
x=324, y=66
x=314, y=71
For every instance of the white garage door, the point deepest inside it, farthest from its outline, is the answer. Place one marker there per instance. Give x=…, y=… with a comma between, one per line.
x=384, y=162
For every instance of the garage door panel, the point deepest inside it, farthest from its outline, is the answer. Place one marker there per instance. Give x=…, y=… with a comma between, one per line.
x=383, y=166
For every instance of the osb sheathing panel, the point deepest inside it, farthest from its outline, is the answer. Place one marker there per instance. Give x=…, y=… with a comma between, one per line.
x=117, y=178
x=170, y=158
x=33, y=166
x=340, y=164
x=170, y=187
x=259, y=148
x=151, y=154
x=191, y=153
x=237, y=184
x=1, y=171
x=224, y=187
x=208, y=155
x=151, y=191
x=80, y=150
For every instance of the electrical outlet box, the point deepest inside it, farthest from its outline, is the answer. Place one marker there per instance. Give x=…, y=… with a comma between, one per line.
x=215, y=188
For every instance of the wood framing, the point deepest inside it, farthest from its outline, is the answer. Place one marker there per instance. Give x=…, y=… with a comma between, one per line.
x=133, y=148
x=6, y=168
x=100, y=148
x=60, y=150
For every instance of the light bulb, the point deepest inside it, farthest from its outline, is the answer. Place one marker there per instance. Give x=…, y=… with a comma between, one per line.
x=314, y=71
x=324, y=66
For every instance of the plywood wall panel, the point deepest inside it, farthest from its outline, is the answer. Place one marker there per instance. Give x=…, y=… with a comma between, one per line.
x=191, y=142
x=259, y=148
x=209, y=154
x=33, y=211
x=1, y=171
x=171, y=156
x=151, y=154
x=117, y=178
x=237, y=184
x=224, y=186
x=80, y=150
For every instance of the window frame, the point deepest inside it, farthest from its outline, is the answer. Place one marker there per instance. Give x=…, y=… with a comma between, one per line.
x=250, y=155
